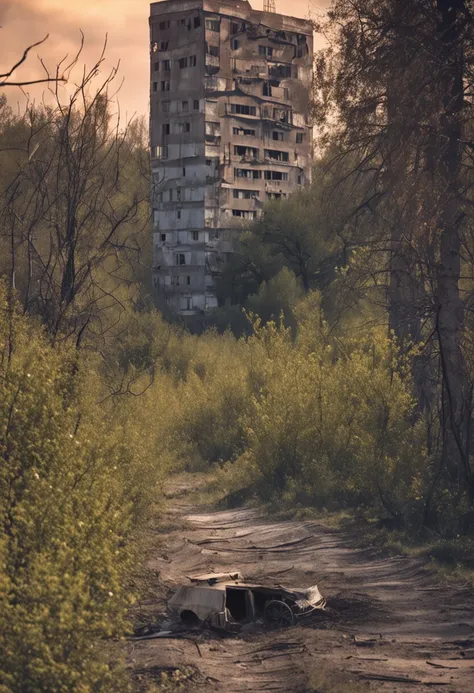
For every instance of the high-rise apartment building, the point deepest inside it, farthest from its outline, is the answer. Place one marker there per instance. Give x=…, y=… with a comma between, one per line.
x=229, y=130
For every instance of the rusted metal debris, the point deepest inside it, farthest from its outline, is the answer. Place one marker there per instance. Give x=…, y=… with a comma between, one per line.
x=225, y=601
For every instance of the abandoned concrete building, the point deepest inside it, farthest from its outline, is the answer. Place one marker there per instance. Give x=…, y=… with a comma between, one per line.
x=229, y=130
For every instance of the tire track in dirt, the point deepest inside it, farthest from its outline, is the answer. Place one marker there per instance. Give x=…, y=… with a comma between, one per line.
x=388, y=623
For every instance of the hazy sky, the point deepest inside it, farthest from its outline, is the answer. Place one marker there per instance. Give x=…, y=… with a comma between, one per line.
x=126, y=23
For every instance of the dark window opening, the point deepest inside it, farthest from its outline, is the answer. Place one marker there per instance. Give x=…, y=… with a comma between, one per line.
x=213, y=50
x=243, y=109
x=163, y=237
x=192, y=61
x=235, y=44
x=236, y=603
x=196, y=105
x=267, y=51
x=178, y=216
x=299, y=137
x=165, y=86
x=165, y=128
x=195, y=235
x=164, y=25
x=197, y=22
x=180, y=259
x=212, y=24
x=188, y=280
x=164, y=45
x=155, y=86
x=156, y=67
x=244, y=132
x=276, y=155
x=183, y=62
x=166, y=65
x=184, y=170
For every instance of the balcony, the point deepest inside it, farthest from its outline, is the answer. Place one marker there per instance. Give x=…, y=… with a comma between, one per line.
x=253, y=71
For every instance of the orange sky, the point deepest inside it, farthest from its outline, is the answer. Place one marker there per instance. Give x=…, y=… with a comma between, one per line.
x=126, y=23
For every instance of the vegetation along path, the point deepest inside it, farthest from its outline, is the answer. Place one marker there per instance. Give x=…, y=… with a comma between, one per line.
x=389, y=625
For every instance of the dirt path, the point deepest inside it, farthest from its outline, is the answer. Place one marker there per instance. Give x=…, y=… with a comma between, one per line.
x=389, y=625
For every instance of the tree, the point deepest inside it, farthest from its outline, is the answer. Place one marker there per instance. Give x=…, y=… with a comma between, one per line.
x=395, y=82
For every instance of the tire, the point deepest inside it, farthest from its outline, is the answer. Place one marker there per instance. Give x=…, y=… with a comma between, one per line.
x=278, y=614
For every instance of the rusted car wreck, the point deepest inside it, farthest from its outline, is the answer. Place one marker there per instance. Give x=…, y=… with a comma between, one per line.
x=226, y=601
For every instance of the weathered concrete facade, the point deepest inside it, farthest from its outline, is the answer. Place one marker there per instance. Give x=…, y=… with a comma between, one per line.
x=229, y=129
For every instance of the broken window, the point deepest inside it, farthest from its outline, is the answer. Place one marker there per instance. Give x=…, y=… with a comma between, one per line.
x=247, y=173
x=195, y=235
x=245, y=194
x=276, y=155
x=277, y=135
x=196, y=105
x=281, y=114
x=165, y=85
x=185, y=127
x=184, y=106
x=300, y=180
x=243, y=109
x=178, y=195
x=212, y=24
x=164, y=45
x=213, y=50
x=184, y=171
x=245, y=151
x=180, y=259
x=192, y=61
x=244, y=213
x=155, y=86
x=299, y=137
x=178, y=215
x=183, y=62
x=235, y=27
x=188, y=280
x=244, y=132
x=165, y=129
x=266, y=51
x=275, y=175
x=197, y=22
x=166, y=65
x=163, y=237
x=235, y=44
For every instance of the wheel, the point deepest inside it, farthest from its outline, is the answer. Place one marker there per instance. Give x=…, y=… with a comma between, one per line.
x=277, y=613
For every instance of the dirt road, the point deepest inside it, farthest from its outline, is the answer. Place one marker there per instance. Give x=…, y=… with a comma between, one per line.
x=389, y=625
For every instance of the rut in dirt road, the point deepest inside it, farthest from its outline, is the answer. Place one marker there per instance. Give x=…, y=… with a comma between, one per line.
x=388, y=622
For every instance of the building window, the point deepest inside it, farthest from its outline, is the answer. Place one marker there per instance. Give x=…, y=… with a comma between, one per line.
x=165, y=85
x=208, y=162
x=251, y=152
x=300, y=180
x=178, y=215
x=196, y=105
x=195, y=235
x=165, y=129
x=184, y=171
x=156, y=67
x=244, y=214
x=235, y=44
x=160, y=152
x=212, y=24
x=184, y=106
x=267, y=51
x=245, y=194
x=234, y=27
x=163, y=237
x=165, y=106
x=155, y=86
x=185, y=127
x=197, y=22
x=183, y=62
x=213, y=50
x=276, y=155
x=247, y=173
x=164, y=45
x=164, y=25
x=243, y=132
x=171, y=195
x=180, y=259
x=192, y=61
x=243, y=109
x=277, y=135
x=275, y=175
x=178, y=195
x=188, y=280
x=267, y=90
x=166, y=65
x=299, y=137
